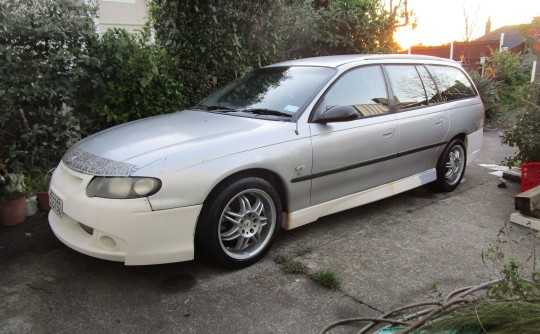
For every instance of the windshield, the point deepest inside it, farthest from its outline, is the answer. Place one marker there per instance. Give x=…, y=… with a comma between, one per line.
x=273, y=91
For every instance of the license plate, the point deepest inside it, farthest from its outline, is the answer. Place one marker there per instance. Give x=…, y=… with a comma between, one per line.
x=55, y=203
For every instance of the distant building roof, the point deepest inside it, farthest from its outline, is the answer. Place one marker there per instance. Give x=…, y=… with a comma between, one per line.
x=512, y=37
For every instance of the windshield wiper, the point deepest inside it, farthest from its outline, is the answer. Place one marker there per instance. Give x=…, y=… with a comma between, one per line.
x=262, y=111
x=215, y=107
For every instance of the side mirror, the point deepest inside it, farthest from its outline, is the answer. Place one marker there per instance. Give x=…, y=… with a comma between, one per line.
x=338, y=114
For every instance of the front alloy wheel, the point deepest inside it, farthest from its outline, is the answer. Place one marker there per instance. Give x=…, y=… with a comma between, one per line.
x=247, y=224
x=239, y=222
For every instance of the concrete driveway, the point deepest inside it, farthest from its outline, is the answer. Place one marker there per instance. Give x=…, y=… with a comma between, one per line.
x=385, y=254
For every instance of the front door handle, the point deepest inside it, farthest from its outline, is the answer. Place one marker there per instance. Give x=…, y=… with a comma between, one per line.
x=389, y=133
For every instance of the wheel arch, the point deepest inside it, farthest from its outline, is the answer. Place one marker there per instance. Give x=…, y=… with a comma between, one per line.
x=462, y=136
x=273, y=178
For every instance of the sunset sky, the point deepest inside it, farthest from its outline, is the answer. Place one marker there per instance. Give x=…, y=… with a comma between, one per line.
x=442, y=21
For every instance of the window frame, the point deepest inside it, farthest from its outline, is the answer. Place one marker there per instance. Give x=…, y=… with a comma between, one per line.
x=317, y=109
x=435, y=78
x=414, y=66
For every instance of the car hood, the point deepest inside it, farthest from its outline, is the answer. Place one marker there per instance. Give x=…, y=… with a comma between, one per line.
x=199, y=136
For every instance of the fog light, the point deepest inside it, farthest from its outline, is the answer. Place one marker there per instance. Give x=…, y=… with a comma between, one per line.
x=107, y=242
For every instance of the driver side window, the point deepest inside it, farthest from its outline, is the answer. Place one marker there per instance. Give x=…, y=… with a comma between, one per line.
x=363, y=88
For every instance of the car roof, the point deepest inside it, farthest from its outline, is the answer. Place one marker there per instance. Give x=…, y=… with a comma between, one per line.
x=336, y=61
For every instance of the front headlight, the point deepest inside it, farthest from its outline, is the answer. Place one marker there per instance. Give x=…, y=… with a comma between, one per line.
x=122, y=187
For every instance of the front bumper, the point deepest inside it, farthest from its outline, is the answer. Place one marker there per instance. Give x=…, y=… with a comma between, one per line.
x=125, y=230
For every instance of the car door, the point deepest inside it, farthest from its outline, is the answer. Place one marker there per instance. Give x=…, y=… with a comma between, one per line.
x=352, y=156
x=422, y=118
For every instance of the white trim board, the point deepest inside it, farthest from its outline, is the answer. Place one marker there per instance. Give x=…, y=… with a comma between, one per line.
x=526, y=221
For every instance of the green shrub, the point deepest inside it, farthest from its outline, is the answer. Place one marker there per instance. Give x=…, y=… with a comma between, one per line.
x=508, y=71
x=343, y=27
x=40, y=42
x=525, y=132
x=59, y=80
x=126, y=78
x=488, y=90
x=219, y=40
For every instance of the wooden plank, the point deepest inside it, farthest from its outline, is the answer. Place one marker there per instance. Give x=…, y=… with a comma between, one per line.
x=530, y=222
x=528, y=200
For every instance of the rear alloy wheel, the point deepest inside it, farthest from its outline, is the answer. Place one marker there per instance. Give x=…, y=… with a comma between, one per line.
x=240, y=223
x=451, y=166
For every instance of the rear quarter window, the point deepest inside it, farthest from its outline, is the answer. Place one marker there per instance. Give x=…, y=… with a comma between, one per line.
x=452, y=83
x=408, y=88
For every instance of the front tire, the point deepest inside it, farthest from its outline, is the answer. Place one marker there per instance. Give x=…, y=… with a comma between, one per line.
x=451, y=166
x=239, y=223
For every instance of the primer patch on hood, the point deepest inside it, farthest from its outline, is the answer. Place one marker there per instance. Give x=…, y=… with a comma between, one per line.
x=89, y=163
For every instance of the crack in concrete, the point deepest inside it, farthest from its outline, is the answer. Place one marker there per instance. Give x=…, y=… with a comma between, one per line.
x=46, y=300
x=37, y=288
x=363, y=303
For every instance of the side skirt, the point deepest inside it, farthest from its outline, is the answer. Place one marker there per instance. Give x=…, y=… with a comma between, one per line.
x=305, y=216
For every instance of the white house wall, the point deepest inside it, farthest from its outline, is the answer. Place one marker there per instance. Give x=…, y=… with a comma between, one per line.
x=127, y=14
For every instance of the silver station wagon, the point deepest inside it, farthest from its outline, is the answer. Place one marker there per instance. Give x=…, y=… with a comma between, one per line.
x=277, y=148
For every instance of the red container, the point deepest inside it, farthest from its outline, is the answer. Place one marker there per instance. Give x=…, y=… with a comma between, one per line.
x=530, y=175
x=13, y=212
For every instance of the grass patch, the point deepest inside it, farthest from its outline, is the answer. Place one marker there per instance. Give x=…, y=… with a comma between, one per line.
x=327, y=279
x=291, y=266
x=304, y=251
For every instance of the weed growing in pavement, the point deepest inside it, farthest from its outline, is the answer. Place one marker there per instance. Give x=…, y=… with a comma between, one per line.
x=324, y=277
x=327, y=279
x=519, y=279
x=290, y=266
x=304, y=251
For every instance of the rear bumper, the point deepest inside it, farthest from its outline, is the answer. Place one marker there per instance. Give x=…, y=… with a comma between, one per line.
x=474, y=144
x=120, y=230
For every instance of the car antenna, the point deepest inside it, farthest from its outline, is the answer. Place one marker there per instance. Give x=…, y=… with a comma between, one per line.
x=296, y=130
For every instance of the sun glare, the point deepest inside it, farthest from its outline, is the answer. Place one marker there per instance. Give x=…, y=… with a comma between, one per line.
x=443, y=21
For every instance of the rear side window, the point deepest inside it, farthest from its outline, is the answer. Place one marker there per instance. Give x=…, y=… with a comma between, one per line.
x=407, y=86
x=363, y=88
x=452, y=83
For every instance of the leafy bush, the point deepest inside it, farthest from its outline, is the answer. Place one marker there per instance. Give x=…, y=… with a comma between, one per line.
x=488, y=90
x=525, y=132
x=40, y=42
x=58, y=76
x=125, y=78
x=511, y=77
x=343, y=27
x=217, y=41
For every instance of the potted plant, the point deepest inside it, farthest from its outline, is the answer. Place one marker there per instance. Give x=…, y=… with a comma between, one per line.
x=37, y=188
x=35, y=183
x=12, y=199
x=42, y=188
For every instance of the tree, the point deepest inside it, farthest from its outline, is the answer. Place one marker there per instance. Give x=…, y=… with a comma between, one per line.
x=471, y=22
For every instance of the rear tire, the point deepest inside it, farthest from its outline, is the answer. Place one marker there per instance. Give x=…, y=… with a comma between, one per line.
x=451, y=166
x=239, y=223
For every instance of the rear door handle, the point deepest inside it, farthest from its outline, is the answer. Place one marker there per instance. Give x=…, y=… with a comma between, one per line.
x=439, y=122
